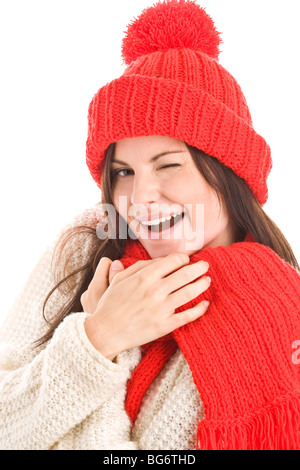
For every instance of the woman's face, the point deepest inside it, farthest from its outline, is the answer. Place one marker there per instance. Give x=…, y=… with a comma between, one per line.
x=146, y=187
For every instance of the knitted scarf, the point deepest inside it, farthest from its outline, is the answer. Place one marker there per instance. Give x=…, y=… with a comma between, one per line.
x=240, y=352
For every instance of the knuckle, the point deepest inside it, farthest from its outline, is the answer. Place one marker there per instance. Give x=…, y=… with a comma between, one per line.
x=193, y=289
x=116, y=274
x=140, y=263
x=155, y=293
x=187, y=317
x=186, y=276
x=183, y=318
x=143, y=275
x=160, y=326
x=156, y=322
x=181, y=258
x=116, y=277
x=198, y=270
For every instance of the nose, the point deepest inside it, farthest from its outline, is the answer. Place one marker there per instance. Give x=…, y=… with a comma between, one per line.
x=145, y=190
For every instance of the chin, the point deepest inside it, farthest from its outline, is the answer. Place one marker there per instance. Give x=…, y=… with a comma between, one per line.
x=166, y=247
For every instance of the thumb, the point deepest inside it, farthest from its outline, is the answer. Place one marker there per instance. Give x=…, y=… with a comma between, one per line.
x=115, y=267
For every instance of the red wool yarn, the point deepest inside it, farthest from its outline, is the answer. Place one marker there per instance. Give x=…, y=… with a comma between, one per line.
x=171, y=25
x=174, y=85
x=239, y=351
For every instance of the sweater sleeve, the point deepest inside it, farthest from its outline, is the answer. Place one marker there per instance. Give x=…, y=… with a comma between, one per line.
x=42, y=400
x=45, y=391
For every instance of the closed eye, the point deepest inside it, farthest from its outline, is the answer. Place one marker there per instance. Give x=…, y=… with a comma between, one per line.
x=117, y=172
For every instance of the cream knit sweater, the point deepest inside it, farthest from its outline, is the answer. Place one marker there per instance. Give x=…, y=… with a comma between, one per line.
x=66, y=395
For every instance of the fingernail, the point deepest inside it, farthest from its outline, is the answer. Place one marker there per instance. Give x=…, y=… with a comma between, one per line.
x=206, y=303
x=116, y=265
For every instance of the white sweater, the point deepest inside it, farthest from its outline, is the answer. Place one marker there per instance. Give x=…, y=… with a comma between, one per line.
x=66, y=395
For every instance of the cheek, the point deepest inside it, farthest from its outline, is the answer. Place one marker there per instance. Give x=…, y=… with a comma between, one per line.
x=181, y=186
x=203, y=203
x=121, y=191
x=122, y=203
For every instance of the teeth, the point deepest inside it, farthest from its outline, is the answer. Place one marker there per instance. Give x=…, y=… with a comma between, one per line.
x=158, y=221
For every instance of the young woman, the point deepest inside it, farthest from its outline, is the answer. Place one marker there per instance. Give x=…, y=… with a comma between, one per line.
x=129, y=355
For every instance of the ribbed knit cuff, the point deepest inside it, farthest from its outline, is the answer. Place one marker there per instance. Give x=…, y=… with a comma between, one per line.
x=136, y=105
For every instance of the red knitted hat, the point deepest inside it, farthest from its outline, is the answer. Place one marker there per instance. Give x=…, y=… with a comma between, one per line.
x=174, y=86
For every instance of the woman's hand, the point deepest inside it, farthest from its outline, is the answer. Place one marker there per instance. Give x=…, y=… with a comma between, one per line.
x=138, y=305
x=103, y=277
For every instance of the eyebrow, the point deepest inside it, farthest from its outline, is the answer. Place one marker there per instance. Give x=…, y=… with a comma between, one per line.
x=153, y=159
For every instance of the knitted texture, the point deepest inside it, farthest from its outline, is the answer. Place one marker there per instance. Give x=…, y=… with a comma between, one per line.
x=65, y=394
x=239, y=352
x=174, y=85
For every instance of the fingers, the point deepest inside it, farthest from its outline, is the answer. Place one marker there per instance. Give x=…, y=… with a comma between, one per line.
x=134, y=268
x=101, y=274
x=164, y=266
x=99, y=283
x=185, y=275
x=97, y=286
x=188, y=293
x=115, y=267
x=189, y=315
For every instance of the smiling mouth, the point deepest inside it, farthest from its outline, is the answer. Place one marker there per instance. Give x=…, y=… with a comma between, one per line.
x=166, y=225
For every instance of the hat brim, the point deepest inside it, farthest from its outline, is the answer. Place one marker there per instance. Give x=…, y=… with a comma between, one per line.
x=136, y=105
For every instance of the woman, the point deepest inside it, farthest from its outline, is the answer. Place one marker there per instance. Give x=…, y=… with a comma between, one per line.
x=134, y=358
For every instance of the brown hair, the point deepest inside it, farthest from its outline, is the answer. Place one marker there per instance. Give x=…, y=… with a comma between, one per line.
x=244, y=211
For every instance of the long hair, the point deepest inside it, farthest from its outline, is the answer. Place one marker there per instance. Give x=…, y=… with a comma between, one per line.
x=244, y=212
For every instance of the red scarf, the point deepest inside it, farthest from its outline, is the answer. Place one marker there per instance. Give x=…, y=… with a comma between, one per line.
x=239, y=352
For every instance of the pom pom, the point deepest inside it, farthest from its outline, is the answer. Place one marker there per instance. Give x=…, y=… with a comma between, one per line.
x=171, y=24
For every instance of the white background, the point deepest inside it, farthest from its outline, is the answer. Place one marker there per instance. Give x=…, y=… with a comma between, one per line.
x=56, y=54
